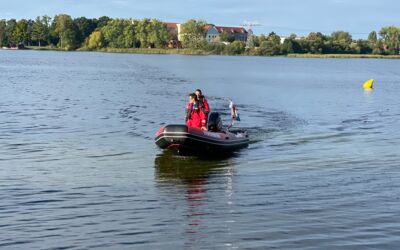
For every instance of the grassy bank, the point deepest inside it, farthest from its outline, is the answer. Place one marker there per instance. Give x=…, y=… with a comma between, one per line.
x=204, y=53
x=49, y=48
x=155, y=51
x=344, y=56
x=132, y=50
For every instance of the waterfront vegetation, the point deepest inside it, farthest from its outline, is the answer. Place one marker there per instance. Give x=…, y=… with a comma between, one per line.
x=151, y=36
x=344, y=56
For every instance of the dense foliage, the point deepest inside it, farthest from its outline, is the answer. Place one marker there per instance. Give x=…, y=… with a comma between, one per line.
x=65, y=32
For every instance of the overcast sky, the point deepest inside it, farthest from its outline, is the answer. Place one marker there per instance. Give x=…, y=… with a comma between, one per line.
x=282, y=16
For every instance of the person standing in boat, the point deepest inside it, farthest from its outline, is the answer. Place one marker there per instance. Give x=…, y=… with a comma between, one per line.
x=203, y=102
x=195, y=116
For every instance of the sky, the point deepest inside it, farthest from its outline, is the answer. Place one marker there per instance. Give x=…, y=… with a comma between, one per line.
x=284, y=17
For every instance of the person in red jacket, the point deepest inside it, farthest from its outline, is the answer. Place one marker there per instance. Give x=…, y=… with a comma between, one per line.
x=203, y=102
x=195, y=116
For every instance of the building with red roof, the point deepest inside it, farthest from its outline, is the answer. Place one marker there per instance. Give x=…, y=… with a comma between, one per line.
x=171, y=25
x=237, y=33
x=212, y=32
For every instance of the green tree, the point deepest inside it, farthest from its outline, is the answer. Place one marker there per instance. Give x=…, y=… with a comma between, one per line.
x=66, y=30
x=68, y=38
x=20, y=33
x=291, y=45
x=360, y=47
x=40, y=30
x=3, y=33
x=274, y=38
x=391, y=37
x=256, y=41
x=30, y=30
x=143, y=29
x=271, y=46
x=373, y=38
x=129, y=34
x=339, y=42
x=10, y=28
x=374, y=43
x=120, y=33
x=342, y=37
x=262, y=38
x=112, y=33
x=378, y=49
x=158, y=35
x=84, y=27
x=193, y=34
x=102, y=21
x=314, y=43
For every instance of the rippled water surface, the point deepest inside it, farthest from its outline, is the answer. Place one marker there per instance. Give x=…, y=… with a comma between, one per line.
x=79, y=168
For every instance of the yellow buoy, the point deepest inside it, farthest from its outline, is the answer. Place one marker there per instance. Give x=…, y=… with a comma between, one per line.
x=369, y=84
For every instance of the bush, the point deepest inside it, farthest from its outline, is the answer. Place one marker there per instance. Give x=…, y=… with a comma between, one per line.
x=95, y=41
x=235, y=48
x=216, y=48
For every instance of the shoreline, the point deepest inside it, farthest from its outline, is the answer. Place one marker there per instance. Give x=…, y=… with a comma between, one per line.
x=344, y=56
x=209, y=53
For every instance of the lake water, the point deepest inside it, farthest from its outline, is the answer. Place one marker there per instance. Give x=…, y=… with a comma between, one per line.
x=79, y=168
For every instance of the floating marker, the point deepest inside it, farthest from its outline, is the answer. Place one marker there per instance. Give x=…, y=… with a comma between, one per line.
x=369, y=84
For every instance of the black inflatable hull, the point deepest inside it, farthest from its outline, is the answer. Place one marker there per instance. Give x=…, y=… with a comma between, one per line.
x=195, y=140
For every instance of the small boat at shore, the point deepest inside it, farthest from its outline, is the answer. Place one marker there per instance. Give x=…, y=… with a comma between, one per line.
x=19, y=46
x=197, y=141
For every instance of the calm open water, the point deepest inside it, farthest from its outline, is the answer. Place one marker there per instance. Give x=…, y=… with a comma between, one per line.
x=79, y=168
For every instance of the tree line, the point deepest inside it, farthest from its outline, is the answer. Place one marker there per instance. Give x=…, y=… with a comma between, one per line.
x=67, y=33
x=386, y=42
x=64, y=32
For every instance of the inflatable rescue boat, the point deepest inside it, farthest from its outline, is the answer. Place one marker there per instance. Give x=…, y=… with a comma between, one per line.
x=194, y=140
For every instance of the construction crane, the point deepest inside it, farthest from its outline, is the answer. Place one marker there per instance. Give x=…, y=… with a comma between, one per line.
x=248, y=25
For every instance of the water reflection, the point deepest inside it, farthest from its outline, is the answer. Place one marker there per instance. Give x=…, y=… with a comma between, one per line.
x=368, y=92
x=189, y=169
x=190, y=178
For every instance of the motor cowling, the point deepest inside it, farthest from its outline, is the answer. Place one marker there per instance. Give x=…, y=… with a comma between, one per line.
x=214, y=122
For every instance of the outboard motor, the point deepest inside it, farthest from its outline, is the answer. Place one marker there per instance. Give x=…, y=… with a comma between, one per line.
x=214, y=122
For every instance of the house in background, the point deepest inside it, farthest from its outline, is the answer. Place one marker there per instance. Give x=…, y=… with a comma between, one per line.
x=239, y=33
x=174, y=29
x=212, y=33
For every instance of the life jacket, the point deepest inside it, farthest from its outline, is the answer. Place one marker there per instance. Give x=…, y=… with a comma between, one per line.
x=195, y=116
x=204, y=104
